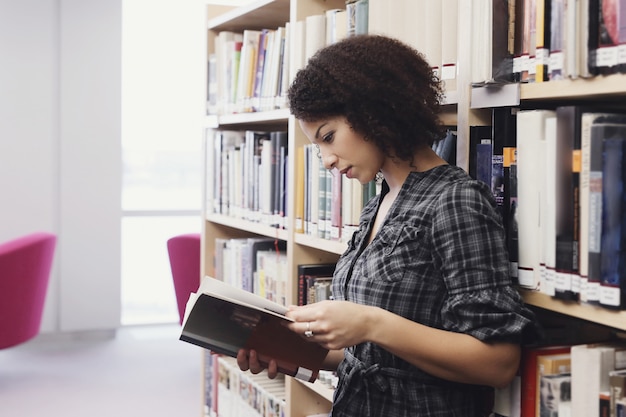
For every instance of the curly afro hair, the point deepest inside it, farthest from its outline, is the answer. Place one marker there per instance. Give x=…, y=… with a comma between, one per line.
x=385, y=89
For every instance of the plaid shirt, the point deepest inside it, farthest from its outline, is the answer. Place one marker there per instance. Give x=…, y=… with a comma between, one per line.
x=438, y=259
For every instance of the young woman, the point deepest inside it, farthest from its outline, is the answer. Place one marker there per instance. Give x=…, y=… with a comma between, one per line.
x=424, y=316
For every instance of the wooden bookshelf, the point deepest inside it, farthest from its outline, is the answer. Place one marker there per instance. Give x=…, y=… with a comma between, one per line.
x=256, y=15
x=591, y=313
x=303, y=398
x=600, y=87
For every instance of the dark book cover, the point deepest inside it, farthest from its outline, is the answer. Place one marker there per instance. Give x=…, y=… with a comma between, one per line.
x=601, y=125
x=518, y=41
x=249, y=258
x=225, y=319
x=307, y=273
x=478, y=135
x=279, y=146
x=593, y=39
x=501, y=54
x=447, y=151
x=613, y=240
x=610, y=33
x=504, y=133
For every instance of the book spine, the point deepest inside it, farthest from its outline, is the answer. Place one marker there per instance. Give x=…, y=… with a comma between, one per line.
x=613, y=244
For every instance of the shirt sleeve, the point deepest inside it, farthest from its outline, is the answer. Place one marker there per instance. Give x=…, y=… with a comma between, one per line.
x=469, y=246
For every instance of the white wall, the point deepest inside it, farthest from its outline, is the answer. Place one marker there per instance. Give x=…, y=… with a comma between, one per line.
x=60, y=169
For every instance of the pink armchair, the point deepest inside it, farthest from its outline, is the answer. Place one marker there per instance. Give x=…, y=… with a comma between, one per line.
x=25, y=265
x=184, y=254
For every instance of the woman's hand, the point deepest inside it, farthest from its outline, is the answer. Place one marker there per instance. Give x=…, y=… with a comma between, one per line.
x=332, y=324
x=248, y=360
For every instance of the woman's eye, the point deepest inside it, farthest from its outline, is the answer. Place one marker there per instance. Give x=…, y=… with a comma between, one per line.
x=328, y=138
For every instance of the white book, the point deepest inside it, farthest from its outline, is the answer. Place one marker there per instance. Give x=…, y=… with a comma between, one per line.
x=315, y=35
x=547, y=209
x=433, y=34
x=297, y=39
x=449, y=43
x=530, y=127
x=591, y=364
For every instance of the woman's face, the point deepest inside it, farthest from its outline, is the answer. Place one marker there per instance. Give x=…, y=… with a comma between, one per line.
x=342, y=148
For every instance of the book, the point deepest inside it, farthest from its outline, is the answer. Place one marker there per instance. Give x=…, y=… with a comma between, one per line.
x=225, y=319
x=279, y=152
x=613, y=234
x=591, y=364
x=529, y=375
x=542, y=40
x=335, y=204
x=501, y=46
x=449, y=44
x=530, y=130
x=567, y=284
x=592, y=136
x=554, y=380
x=562, y=22
x=617, y=389
x=479, y=135
x=308, y=275
x=610, y=35
x=299, y=186
x=547, y=209
x=528, y=32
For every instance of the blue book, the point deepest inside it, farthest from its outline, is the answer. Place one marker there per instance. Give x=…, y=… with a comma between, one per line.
x=613, y=239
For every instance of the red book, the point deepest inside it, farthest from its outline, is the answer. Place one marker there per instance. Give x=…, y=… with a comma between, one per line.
x=529, y=370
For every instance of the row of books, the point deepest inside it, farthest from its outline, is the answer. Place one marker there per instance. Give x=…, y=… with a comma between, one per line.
x=248, y=71
x=557, y=176
x=247, y=179
x=580, y=380
x=314, y=282
x=428, y=26
x=251, y=71
x=230, y=392
x=328, y=205
x=544, y=40
x=572, y=247
x=257, y=265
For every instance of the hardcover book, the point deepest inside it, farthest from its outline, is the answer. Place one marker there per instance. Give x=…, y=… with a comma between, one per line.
x=613, y=235
x=225, y=319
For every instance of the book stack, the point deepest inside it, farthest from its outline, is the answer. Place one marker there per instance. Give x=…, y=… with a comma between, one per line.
x=248, y=175
x=256, y=265
x=570, y=173
x=251, y=71
x=328, y=205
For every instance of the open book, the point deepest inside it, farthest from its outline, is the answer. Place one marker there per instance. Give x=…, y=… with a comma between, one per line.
x=224, y=319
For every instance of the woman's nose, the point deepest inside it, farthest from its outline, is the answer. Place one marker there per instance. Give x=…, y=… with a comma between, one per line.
x=329, y=160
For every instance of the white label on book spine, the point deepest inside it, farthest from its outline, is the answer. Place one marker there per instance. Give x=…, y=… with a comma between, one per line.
x=610, y=296
x=526, y=278
x=563, y=281
x=304, y=374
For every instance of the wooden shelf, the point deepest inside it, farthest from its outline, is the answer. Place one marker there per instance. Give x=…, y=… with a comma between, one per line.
x=248, y=226
x=262, y=14
x=262, y=117
x=332, y=246
x=611, y=86
x=595, y=314
x=320, y=389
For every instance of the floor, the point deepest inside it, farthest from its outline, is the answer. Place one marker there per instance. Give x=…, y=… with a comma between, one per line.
x=140, y=371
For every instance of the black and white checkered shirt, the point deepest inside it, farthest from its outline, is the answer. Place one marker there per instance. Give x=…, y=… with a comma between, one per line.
x=439, y=259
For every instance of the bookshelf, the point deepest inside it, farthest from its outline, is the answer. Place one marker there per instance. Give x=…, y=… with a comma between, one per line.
x=599, y=89
x=303, y=398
